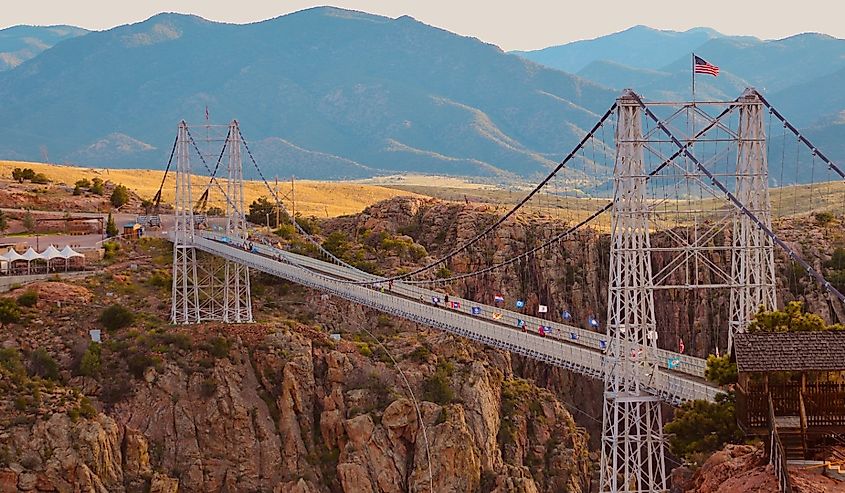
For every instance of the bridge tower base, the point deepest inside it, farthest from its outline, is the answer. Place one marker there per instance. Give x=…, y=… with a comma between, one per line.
x=632, y=457
x=185, y=302
x=752, y=256
x=206, y=288
x=237, y=304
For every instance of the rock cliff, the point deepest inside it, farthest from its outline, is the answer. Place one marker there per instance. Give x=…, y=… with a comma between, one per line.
x=276, y=406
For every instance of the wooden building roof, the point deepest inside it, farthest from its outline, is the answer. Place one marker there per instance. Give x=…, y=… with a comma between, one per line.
x=790, y=351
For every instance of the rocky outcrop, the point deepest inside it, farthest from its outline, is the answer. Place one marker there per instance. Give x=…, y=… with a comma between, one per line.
x=295, y=411
x=64, y=454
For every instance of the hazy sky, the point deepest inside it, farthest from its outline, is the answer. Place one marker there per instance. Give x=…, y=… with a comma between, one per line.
x=521, y=24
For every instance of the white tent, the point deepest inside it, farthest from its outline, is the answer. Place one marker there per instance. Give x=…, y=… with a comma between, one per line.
x=51, y=252
x=68, y=252
x=29, y=256
x=12, y=255
x=4, y=262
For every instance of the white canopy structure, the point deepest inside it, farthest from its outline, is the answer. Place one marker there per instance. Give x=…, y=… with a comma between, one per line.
x=68, y=252
x=52, y=252
x=12, y=255
x=31, y=255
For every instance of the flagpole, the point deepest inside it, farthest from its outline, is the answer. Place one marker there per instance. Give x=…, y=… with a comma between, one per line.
x=693, y=78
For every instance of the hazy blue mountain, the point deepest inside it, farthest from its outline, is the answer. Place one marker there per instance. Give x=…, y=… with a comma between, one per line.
x=657, y=64
x=610, y=74
x=770, y=66
x=322, y=93
x=639, y=47
x=817, y=101
x=802, y=75
x=20, y=43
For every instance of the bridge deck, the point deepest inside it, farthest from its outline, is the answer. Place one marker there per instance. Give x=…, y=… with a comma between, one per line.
x=581, y=354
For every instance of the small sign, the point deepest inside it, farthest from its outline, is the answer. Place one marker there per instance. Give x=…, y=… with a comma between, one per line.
x=95, y=335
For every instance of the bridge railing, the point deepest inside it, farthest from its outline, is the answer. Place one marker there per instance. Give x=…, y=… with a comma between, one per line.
x=682, y=363
x=671, y=387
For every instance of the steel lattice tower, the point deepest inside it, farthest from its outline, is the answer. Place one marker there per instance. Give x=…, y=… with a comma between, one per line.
x=752, y=259
x=185, y=302
x=632, y=457
x=237, y=305
x=204, y=288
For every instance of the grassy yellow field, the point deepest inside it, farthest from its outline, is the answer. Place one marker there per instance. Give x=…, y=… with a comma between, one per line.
x=322, y=199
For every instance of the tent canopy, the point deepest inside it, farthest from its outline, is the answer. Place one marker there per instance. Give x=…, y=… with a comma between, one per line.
x=12, y=255
x=51, y=252
x=31, y=255
x=68, y=252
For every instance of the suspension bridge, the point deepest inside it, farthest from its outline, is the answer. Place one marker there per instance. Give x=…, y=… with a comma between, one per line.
x=673, y=178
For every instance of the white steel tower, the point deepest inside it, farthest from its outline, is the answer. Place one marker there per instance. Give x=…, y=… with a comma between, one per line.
x=632, y=457
x=752, y=262
x=185, y=304
x=237, y=305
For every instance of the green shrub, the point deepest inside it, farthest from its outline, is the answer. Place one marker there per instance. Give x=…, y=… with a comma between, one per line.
x=97, y=186
x=110, y=249
x=443, y=272
x=417, y=252
x=119, y=196
x=40, y=179
x=28, y=298
x=837, y=259
x=791, y=319
x=720, y=370
x=116, y=317
x=337, y=243
x=219, y=347
x=9, y=311
x=160, y=280
x=701, y=427
x=89, y=364
x=139, y=362
x=420, y=354
x=86, y=409
x=111, y=227
x=42, y=364
x=286, y=231
x=10, y=359
x=83, y=183
x=438, y=388
x=308, y=224
x=178, y=339
x=824, y=218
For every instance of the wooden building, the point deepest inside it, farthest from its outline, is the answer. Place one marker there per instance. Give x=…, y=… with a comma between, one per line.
x=792, y=383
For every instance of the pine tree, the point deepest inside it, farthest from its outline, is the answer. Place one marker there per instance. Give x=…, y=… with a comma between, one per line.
x=111, y=227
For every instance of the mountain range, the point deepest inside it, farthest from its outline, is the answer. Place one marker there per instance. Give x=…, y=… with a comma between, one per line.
x=20, y=43
x=330, y=93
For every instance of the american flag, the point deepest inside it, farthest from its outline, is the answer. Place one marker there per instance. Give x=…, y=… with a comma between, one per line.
x=702, y=67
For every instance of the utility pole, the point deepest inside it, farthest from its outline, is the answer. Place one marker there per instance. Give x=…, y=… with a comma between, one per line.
x=292, y=198
x=276, y=206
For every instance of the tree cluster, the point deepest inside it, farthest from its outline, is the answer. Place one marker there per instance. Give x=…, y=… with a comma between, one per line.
x=95, y=186
x=28, y=174
x=791, y=319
